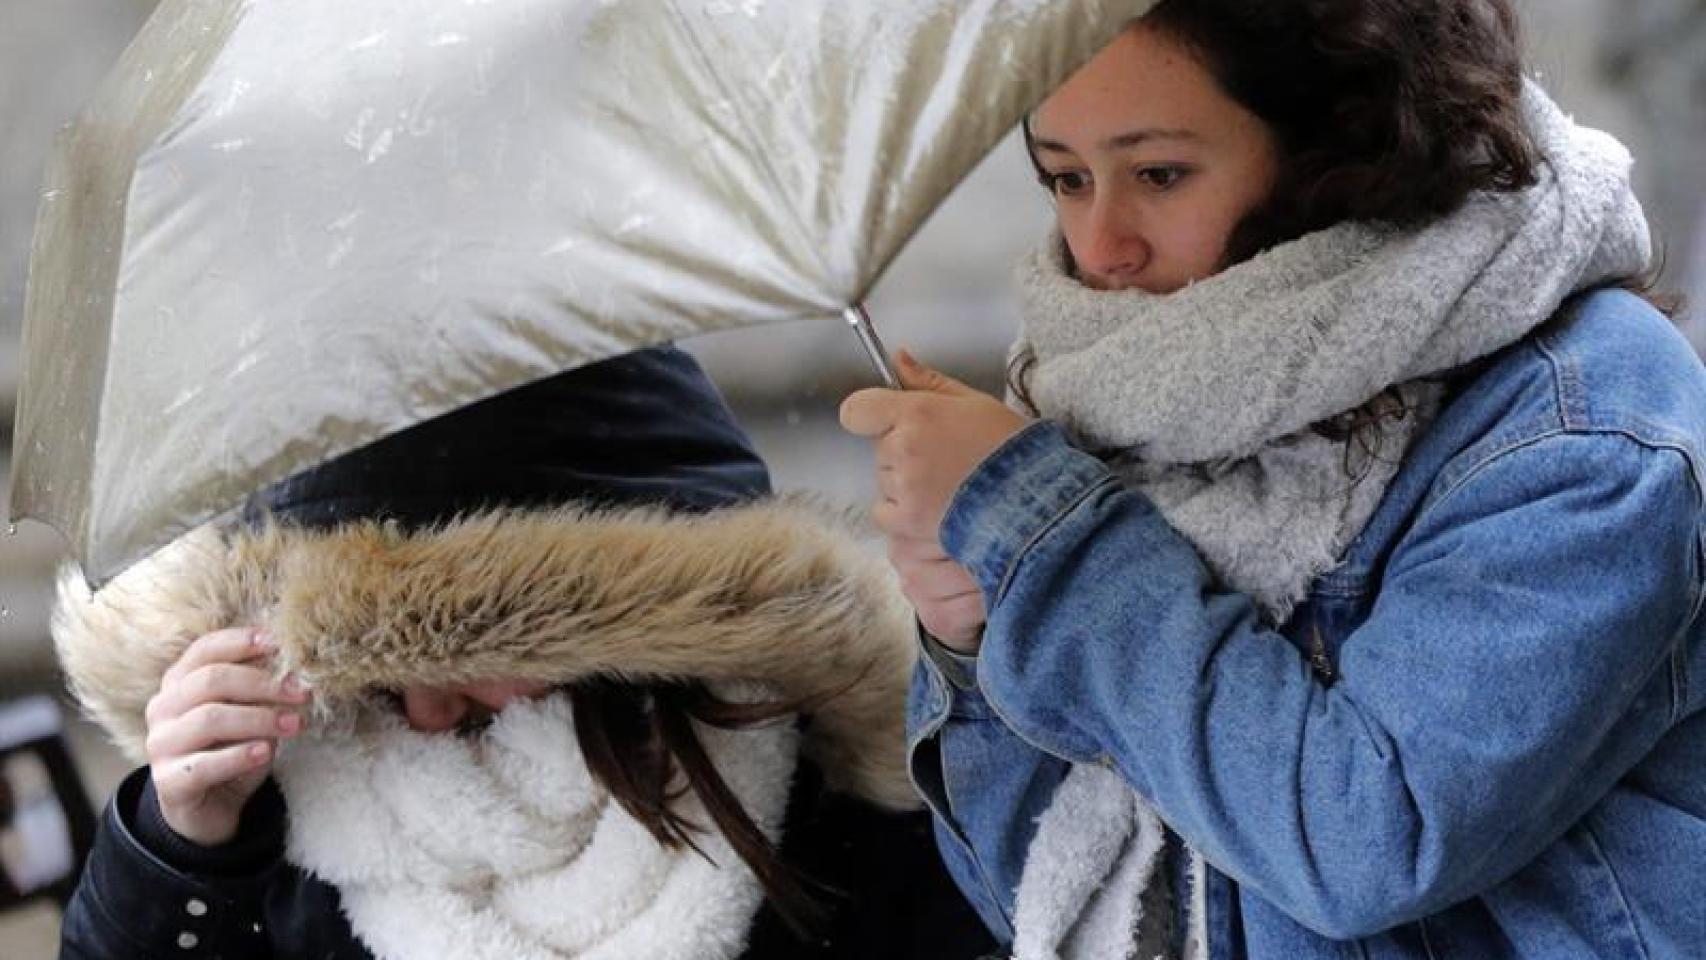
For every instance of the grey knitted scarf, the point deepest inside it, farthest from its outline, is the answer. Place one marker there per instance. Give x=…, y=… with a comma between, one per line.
x=1203, y=400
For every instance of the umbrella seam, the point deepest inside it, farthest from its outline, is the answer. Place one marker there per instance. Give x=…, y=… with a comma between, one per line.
x=762, y=162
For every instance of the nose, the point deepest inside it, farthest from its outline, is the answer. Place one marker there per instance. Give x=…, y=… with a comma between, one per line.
x=1111, y=251
x=433, y=711
x=439, y=709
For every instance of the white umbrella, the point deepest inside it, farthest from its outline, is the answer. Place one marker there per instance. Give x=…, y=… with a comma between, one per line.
x=282, y=230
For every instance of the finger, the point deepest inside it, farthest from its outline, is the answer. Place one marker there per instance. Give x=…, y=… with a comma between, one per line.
x=906, y=552
x=185, y=780
x=946, y=595
x=215, y=724
x=953, y=619
x=869, y=413
x=936, y=582
x=916, y=375
x=233, y=645
x=901, y=519
x=223, y=683
x=903, y=550
x=889, y=484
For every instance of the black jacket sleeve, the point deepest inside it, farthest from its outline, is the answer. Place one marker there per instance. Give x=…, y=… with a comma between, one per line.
x=147, y=893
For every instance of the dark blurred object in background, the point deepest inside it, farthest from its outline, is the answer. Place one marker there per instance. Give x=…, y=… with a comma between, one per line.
x=47, y=822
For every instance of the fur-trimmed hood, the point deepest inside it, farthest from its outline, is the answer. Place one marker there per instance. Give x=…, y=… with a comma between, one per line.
x=780, y=591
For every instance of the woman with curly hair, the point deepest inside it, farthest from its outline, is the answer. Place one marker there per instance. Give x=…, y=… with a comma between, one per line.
x=1332, y=585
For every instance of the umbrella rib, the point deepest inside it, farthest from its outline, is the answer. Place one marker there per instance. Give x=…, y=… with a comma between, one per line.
x=758, y=157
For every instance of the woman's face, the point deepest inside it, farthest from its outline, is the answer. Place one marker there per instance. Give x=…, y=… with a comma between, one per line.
x=442, y=709
x=1151, y=164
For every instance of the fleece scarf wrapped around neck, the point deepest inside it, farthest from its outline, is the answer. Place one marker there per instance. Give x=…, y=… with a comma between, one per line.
x=504, y=847
x=1203, y=400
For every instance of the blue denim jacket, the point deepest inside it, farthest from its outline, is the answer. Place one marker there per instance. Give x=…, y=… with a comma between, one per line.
x=1510, y=759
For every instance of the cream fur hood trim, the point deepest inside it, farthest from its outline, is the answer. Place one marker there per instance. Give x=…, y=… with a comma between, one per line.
x=781, y=592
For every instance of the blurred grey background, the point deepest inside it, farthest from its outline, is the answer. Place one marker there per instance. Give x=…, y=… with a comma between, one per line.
x=1634, y=67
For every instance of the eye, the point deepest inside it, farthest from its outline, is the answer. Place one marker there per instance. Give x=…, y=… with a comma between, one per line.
x=1164, y=177
x=1066, y=183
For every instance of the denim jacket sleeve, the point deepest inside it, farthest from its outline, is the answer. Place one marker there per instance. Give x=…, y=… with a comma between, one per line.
x=1511, y=670
x=985, y=785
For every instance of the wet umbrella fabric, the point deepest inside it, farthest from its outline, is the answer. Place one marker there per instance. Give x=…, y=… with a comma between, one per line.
x=283, y=230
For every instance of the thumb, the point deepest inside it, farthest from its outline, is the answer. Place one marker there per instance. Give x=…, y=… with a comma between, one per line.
x=868, y=413
x=914, y=375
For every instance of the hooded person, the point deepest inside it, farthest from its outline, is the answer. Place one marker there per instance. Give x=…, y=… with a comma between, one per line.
x=709, y=762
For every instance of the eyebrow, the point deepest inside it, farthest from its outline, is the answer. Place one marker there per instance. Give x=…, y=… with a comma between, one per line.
x=1120, y=141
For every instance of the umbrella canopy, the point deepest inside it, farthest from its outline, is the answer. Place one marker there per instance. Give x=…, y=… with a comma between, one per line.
x=283, y=230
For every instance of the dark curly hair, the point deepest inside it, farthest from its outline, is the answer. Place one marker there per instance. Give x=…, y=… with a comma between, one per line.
x=1385, y=111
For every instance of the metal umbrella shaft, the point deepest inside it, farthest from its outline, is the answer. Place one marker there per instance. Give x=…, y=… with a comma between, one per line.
x=860, y=321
